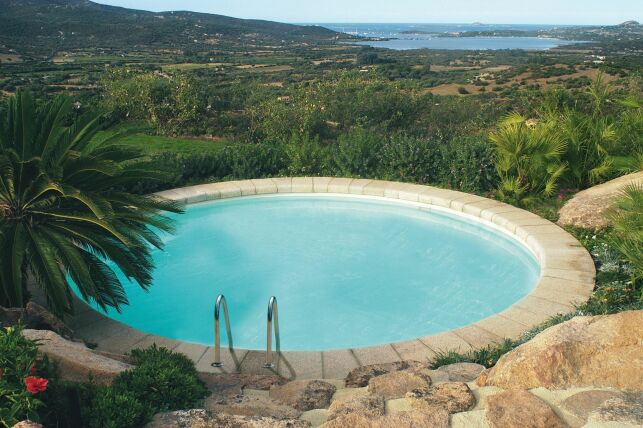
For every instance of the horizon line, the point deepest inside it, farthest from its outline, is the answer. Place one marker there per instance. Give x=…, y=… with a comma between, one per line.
x=439, y=23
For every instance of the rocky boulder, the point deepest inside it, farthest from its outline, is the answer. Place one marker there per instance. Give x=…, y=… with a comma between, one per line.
x=437, y=418
x=304, y=394
x=254, y=407
x=397, y=384
x=583, y=403
x=462, y=372
x=200, y=418
x=360, y=376
x=588, y=208
x=351, y=420
x=35, y=317
x=77, y=362
x=600, y=351
x=454, y=397
x=11, y=316
x=27, y=424
x=520, y=409
x=39, y=318
x=366, y=405
x=226, y=387
x=626, y=410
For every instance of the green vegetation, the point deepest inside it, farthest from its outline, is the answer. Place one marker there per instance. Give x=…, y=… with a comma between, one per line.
x=169, y=104
x=527, y=158
x=627, y=236
x=217, y=98
x=35, y=27
x=30, y=388
x=20, y=384
x=570, y=146
x=161, y=381
x=153, y=145
x=65, y=211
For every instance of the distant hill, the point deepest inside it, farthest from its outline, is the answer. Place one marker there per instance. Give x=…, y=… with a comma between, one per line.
x=629, y=24
x=42, y=27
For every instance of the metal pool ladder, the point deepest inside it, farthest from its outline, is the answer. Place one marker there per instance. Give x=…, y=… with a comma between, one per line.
x=272, y=314
x=217, y=334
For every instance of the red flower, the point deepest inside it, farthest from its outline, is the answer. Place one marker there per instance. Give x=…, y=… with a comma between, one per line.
x=36, y=384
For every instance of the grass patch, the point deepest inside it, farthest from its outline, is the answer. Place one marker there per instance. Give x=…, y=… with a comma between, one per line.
x=159, y=144
x=155, y=144
x=490, y=355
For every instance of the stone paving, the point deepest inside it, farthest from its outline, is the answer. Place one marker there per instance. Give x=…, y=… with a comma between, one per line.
x=448, y=397
x=567, y=278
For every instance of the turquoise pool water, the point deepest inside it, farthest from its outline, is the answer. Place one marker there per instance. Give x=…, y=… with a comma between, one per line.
x=347, y=272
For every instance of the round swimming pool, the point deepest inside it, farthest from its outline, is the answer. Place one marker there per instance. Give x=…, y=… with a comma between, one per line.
x=347, y=272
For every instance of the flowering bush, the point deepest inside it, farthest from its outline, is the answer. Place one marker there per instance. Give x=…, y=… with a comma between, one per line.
x=20, y=385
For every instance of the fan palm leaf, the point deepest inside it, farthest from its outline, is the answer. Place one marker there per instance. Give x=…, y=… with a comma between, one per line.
x=65, y=214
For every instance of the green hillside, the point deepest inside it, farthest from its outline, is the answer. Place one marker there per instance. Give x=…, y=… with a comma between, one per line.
x=44, y=27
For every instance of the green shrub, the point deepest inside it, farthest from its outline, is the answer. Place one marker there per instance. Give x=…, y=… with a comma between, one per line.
x=463, y=91
x=468, y=165
x=68, y=404
x=242, y=161
x=528, y=158
x=162, y=380
x=114, y=408
x=356, y=153
x=627, y=239
x=410, y=159
x=306, y=156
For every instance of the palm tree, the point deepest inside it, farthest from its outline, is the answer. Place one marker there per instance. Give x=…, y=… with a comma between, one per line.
x=627, y=237
x=528, y=158
x=65, y=212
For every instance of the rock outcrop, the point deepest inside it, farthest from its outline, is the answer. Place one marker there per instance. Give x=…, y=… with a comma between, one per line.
x=462, y=372
x=227, y=387
x=39, y=318
x=600, y=351
x=626, y=410
x=585, y=402
x=366, y=405
x=521, y=409
x=76, y=362
x=200, y=418
x=437, y=418
x=397, y=384
x=588, y=208
x=254, y=406
x=304, y=394
x=36, y=317
x=360, y=376
x=454, y=397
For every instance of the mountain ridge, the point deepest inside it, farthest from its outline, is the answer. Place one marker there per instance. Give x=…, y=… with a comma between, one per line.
x=42, y=27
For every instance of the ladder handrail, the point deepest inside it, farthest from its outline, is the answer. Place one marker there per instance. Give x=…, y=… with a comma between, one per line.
x=272, y=314
x=221, y=301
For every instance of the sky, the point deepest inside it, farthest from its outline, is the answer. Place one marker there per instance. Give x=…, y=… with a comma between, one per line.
x=409, y=11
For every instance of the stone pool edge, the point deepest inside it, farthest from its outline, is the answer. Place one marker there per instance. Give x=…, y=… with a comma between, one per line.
x=567, y=278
